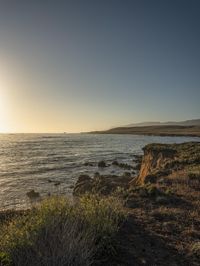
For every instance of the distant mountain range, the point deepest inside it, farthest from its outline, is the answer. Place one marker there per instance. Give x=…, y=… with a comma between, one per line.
x=193, y=122
x=182, y=128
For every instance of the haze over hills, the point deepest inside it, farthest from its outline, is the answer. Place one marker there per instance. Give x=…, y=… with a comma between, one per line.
x=193, y=122
x=183, y=128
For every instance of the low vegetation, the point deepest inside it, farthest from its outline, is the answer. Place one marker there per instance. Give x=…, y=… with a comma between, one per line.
x=59, y=232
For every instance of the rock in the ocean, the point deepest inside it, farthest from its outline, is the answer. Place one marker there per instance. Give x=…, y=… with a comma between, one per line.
x=83, y=178
x=56, y=184
x=100, y=184
x=83, y=185
x=32, y=194
x=127, y=174
x=88, y=164
x=115, y=163
x=102, y=164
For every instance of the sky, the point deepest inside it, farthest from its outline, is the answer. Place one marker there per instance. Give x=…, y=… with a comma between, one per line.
x=77, y=66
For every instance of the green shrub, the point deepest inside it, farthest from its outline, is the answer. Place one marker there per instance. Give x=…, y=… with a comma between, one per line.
x=5, y=260
x=121, y=193
x=169, y=192
x=58, y=232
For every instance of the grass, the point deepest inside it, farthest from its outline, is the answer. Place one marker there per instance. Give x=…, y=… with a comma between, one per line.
x=58, y=232
x=195, y=248
x=169, y=211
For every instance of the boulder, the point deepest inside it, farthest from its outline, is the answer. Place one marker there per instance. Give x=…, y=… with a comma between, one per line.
x=32, y=195
x=100, y=184
x=83, y=185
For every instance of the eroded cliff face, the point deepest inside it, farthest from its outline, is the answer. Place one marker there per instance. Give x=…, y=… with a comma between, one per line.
x=156, y=162
x=160, y=160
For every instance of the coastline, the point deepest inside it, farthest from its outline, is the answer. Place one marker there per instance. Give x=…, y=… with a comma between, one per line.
x=165, y=131
x=161, y=218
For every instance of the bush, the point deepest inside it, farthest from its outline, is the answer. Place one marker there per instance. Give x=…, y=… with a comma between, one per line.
x=5, y=259
x=121, y=193
x=195, y=249
x=102, y=164
x=61, y=233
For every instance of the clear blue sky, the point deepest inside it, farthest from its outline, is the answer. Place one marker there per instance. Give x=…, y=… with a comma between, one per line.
x=93, y=64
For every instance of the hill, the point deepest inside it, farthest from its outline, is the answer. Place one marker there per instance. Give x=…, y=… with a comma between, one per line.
x=193, y=122
x=161, y=130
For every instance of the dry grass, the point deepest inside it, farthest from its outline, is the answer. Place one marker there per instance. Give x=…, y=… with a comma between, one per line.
x=171, y=213
x=60, y=233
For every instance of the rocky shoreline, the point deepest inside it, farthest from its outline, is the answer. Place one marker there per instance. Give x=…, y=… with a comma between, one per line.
x=107, y=184
x=159, y=161
x=160, y=193
x=163, y=202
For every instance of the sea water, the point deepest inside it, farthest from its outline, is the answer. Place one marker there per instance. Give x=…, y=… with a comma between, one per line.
x=51, y=163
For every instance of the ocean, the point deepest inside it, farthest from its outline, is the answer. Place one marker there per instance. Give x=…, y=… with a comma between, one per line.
x=39, y=161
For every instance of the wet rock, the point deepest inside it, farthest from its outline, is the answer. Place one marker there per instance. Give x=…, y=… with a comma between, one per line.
x=125, y=166
x=88, y=164
x=127, y=174
x=83, y=185
x=116, y=163
x=32, y=194
x=137, y=167
x=100, y=184
x=137, y=159
x=83, y=178
x=102, y=164
x=58, y=183
x=97, y=174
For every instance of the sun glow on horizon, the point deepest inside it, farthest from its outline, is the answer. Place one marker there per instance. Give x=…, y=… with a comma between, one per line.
x=3, y=125
x=4, y=128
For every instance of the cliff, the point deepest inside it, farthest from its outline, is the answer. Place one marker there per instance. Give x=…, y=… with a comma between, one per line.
x=161, y=160
x=161, y=203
